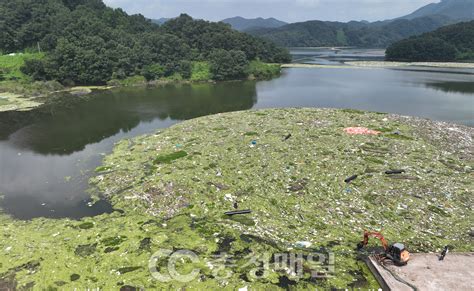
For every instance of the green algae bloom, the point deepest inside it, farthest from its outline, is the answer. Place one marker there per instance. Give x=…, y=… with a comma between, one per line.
x=176, y=200
x=168, y=158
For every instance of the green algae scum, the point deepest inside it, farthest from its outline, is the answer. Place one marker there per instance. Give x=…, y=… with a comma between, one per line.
x=288, y=166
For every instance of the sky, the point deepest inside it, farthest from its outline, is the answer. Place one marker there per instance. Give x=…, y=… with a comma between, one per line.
x=286, y=10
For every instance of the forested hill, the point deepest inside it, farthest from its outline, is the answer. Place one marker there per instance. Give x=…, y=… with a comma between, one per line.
x=354, y=33
x=376, y=34
x=87, y=42
x=449, y=43
x=244, y=24
x=455, y=9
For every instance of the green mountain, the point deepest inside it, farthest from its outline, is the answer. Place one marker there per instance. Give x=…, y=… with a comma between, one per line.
x=243, y=24
x=360, y=34
x=455, y=9
x=449, y=43
x=364, y=34
x=87, y=42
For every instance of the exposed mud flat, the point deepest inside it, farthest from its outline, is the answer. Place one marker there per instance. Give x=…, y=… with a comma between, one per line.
x=288, y=166
x=14, y=102
x=84, y=90
x=415, y=64
x=22, y=102
x=383, y=64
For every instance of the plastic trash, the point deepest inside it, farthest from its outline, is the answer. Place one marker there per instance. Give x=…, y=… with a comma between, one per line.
x=395, y=172
x=303, y=244
x=238, y=212
x=361, y=131
x=350, y=179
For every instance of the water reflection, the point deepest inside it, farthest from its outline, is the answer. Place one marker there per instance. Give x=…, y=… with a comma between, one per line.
x=69, y=129
x=383, y=90
x=48, y=155
x=453, y=87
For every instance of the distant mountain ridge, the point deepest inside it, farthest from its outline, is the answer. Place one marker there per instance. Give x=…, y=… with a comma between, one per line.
x=360, y=34
x=243, y=24
x=455, y=9
x=364, y=34
x=161, y=21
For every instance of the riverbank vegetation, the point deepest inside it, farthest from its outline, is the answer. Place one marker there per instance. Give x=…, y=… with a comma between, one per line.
x=450, y=43
x=86, y=43
x=13, y=80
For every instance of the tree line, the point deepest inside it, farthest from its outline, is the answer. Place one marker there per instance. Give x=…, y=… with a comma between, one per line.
x=450, y=43
x=87, y=42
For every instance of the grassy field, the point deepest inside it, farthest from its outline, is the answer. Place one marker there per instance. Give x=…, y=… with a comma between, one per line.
x=12, y=80
x=10, y=65
x=261, y=70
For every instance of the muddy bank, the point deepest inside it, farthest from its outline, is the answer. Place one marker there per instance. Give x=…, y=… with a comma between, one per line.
x=288, y=166
x=25, y=102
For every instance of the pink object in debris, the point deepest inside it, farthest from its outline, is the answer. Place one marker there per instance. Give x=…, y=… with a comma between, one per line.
x=361, y=130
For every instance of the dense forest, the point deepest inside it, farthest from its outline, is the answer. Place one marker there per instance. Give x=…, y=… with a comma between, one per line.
x=354, y=33
x=87, y=42
x=449, y=43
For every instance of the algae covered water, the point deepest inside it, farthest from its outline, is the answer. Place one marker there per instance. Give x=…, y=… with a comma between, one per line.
x=174, y=187
x=48, y=155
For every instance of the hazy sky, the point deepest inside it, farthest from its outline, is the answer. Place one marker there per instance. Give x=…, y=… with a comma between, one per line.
x=287, y=10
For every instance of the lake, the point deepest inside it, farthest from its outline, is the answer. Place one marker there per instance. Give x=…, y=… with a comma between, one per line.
x=47, y=155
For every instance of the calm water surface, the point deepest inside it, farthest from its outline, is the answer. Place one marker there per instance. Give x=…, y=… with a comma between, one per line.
x=48, y=155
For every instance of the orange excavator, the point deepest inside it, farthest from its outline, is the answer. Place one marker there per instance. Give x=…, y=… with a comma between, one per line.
x=396, y=252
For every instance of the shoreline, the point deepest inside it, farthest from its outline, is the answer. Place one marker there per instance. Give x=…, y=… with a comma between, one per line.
x=384, y=64
x=10, y=101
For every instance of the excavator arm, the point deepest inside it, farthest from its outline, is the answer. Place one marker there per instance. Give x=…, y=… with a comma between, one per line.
x=377, y=235
x=397, y=252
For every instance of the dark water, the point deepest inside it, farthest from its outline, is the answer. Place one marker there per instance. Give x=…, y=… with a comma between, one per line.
x=47, y=155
